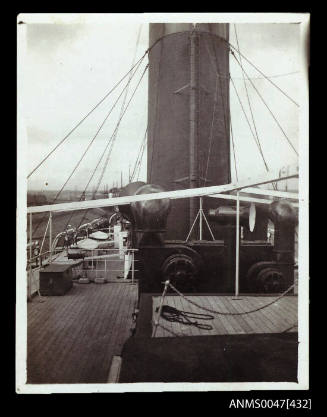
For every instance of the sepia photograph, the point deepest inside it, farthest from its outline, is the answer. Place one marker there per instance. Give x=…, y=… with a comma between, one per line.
x=162, y=202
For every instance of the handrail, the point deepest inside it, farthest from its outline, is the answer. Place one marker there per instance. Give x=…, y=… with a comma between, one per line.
x=283, y=174
x=42, y=254
x=93, y=250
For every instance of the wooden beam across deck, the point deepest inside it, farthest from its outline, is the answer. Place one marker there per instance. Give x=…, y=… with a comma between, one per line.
x=292, y=172
x=247, y=199
x=272, y=193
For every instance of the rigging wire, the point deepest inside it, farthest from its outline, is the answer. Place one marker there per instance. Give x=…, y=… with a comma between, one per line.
x=88, y=147
x=138, y=171
x=217, y=70
x=82, y=120
x=111, y=140
x=263, y=158
x=139, y=168
x=272, y=114
x=118, y=124
x=126, y=88
x=157, y=114
x=211, y=130
x=141, y=158
x=250, y=107
x=139, y=155
x=146, y=52
x=235, y=49
x=121, y=113
x=255, y=139
x=262, y=78
x=232, y=136
x=265, y=77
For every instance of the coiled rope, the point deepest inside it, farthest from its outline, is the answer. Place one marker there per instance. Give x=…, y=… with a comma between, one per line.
x=172, y=314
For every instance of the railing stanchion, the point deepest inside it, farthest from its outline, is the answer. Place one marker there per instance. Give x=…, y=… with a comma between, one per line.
x=50, y=236
x=132, y=267
x=29, y=274
x=201, y=213
x=160, y=308
x=237, y=258
x=30, y=236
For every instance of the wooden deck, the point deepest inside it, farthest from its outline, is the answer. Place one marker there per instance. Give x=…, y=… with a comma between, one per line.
x=273, y=319
x=72, y=338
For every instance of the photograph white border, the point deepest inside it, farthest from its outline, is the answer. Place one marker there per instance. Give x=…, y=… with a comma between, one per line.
x=303, y=258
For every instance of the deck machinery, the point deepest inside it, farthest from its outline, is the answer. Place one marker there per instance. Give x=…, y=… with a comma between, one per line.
x=188, y=147
x=204, y=266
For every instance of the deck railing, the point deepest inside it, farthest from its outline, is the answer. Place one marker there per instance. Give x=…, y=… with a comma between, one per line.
x=97, y=266
x=102, y=262
x=43, y=258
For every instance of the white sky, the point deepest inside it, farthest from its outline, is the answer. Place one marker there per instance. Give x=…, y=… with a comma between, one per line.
x=67, y=68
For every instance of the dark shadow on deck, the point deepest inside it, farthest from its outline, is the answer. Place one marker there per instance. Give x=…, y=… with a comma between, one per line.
x=224, y=358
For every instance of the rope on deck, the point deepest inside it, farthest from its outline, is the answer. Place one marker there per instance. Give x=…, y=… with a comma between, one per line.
x=167, y=283
x=224, y=313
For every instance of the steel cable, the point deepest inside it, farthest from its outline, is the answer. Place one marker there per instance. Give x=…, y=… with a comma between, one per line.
x=255, y=140
x=250, y=107
x=262, y=99
x=111, y=140
x=82, y=120
x=90, y=144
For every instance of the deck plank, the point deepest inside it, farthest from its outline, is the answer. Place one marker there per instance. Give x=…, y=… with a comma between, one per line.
x=248, y=323
x=91, y=337
x=103, y=331
x=219, y=320
x=219, y=306
x=273, y=319
x=184, y=306
x=179, y=328
x=260, y=321
x=242, y=307
x=73, y=338
x=53, y=309
x=278, y=314
x=234, y=320
x=203, y=332
x=234, y=307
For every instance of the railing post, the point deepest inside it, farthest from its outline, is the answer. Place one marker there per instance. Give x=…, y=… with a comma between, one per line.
x=29, y=273
x=201, y=213
x=160, y=308
x=50, y=236
x=132, y=267
x=188, y=236
x=237, y=257
x=30, y=237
